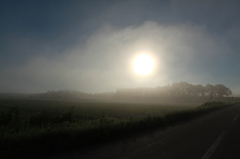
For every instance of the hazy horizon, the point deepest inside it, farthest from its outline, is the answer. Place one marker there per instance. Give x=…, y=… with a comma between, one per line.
x=90, y=46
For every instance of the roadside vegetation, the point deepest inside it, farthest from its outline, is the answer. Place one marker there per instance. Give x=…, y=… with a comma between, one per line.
x=29, y=127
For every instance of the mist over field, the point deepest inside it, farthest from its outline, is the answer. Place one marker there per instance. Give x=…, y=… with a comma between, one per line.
x=119, y=79
x=90, y=47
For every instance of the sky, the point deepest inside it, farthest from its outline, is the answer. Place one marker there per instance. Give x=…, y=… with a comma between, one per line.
x=90, y=45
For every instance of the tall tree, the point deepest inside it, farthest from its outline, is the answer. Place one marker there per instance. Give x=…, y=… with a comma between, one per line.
x=222, y=90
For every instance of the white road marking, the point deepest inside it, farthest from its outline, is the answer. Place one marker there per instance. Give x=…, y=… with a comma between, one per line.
x=210, y=151
x=235, y=118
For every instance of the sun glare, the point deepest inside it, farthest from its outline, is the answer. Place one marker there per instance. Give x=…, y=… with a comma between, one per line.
x=143, y=64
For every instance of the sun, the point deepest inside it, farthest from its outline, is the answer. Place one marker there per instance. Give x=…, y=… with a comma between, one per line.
x=143, y=64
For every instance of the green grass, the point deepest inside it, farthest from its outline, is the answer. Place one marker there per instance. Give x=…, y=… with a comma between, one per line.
x=47, y=126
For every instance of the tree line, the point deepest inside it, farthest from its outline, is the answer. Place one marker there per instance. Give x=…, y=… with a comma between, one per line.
x=181, y=90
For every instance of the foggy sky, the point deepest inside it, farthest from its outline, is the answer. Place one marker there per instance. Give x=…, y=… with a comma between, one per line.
x=89, y=46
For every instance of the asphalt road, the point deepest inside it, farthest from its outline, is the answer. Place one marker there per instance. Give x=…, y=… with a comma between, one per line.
x=215, y=135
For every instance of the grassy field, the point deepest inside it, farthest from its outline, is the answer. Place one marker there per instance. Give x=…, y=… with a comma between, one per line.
x=48, y=126
x=93, y=109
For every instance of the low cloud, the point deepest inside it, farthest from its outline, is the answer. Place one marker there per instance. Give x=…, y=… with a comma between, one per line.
x=183, y=52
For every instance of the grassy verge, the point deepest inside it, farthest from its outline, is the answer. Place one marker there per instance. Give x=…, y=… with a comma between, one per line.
x=46, y=133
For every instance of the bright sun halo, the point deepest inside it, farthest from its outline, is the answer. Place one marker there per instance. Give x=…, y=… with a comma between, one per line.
x=143, y=64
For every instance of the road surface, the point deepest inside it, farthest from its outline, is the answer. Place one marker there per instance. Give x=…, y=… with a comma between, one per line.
x=215, y=135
